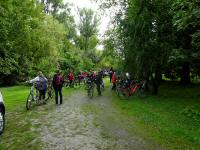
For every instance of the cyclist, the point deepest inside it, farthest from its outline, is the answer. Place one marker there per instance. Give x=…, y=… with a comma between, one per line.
x=41, y=85
x=98, y=80
x=89, y=79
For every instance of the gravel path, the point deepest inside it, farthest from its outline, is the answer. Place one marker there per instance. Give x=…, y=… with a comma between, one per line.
x=67, y=127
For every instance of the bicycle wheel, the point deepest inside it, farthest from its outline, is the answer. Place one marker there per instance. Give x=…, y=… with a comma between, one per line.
x=75, y=84
x=90, y=93
x=122, y=93
x=2, y=122
x=29, y=102
x=142, y=93
x=102, y=87
x=50, y=95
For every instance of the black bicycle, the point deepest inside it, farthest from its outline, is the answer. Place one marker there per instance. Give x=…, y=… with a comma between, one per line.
x=90, y=89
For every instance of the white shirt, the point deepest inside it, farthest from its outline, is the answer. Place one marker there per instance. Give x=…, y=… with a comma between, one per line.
x=37, y=79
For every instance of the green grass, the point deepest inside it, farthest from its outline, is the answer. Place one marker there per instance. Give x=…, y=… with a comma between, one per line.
x=20, y=132
x=14, y=96
x=161, y=118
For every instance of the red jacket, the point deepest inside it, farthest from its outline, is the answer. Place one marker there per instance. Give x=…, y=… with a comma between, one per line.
x=114, y=78
x=71, y=76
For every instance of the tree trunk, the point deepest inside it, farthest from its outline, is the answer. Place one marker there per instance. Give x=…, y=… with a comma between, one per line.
x=156, y=80
x=185, y=74
x=155, y=87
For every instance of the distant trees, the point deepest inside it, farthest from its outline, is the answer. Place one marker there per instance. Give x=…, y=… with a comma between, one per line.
x=42, y=35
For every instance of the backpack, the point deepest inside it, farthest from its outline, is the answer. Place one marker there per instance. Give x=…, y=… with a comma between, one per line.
x=41, y=84
x=59, y=80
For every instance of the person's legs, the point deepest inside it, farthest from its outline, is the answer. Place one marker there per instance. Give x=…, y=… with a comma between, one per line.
x=40, y=95
x=60, y=93
x=44, y=94
x=99, y=89
x=56, y=94
x=114, y=86
x=70, y=83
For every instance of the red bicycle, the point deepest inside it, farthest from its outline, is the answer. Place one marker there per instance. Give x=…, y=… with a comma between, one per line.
x=124, y=90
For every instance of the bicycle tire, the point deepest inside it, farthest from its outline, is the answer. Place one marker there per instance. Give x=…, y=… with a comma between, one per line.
x=90, y=93
x=50, y=95
x=121, y=94
x=2, y=122
x=75, y=85
x=29, y=102
x=142, y=93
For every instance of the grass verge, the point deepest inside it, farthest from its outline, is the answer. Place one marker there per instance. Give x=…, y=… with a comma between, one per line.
x=171, y=119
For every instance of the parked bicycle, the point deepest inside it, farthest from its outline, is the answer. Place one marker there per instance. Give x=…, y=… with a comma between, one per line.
x=125, y=90
x=33, y=97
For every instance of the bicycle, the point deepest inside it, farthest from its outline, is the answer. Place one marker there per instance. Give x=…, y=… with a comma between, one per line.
x=124, y=90
x=73, y=84
x=33, y=97
x=102, y=86
x=50, y=91
x=90, y=89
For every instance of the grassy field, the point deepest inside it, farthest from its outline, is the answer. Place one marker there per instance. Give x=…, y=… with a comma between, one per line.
x=171, y=119
x=20, y=132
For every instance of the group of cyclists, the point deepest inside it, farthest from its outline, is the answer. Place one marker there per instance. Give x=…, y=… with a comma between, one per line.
x=86, y=78
x=42, y=84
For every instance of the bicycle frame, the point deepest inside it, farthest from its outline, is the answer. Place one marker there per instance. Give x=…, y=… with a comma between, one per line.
x=134, y=88
x=130, y=90
x=32, y=92
x=90, y=86
x=32, y=97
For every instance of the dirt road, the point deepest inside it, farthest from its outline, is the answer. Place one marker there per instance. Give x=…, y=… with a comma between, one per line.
x=81, y=123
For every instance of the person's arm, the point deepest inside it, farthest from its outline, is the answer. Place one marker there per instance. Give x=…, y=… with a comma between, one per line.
x=34, y=80
x=46, y=80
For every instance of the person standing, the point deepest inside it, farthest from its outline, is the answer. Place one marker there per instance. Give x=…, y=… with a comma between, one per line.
x=71, y=78
x=41, y=85
x=114, y=80
x=57, y=83
x=111, y=73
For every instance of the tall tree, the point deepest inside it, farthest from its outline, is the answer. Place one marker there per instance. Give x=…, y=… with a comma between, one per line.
x=186, y=22
x=88, y=27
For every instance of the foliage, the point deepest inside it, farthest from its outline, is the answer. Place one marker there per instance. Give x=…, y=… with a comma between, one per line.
x=157, y=37
x=42, y=35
